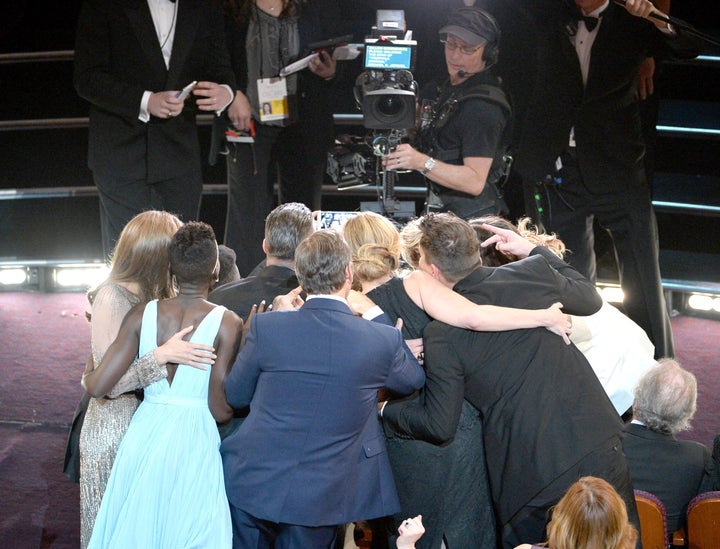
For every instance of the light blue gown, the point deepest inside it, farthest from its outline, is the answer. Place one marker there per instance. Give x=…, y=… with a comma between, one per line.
x=166, y=488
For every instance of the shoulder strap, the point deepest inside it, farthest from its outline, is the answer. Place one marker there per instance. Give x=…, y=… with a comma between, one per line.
x=489, y=93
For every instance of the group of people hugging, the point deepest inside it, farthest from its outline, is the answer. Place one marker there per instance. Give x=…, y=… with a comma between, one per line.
x=447, y=377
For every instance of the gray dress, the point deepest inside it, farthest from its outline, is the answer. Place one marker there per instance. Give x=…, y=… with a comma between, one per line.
x=107, y=419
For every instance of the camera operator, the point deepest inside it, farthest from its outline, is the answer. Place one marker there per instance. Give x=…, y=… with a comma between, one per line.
x=461, y=143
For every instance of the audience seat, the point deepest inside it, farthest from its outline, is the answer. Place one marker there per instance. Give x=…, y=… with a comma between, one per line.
x=653, y=521
x=703, y=521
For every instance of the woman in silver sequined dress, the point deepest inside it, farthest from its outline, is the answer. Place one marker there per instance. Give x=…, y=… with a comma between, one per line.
x=138, y=273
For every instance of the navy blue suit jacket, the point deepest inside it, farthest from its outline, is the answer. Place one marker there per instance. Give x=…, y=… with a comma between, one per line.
x=311, y=451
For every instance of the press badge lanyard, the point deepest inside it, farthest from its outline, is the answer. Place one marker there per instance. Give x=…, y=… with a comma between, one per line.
x=272, y=92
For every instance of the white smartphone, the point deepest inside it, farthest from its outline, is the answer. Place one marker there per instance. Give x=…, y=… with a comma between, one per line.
x=332, y=220
x=186, y=90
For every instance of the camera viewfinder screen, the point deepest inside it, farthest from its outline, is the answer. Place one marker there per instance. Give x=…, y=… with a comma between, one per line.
x=388, y=57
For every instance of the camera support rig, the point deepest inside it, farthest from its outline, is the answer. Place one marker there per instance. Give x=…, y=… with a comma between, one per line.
x=386, y=94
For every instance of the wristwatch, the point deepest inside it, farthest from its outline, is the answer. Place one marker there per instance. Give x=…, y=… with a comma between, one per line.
x=429, y=165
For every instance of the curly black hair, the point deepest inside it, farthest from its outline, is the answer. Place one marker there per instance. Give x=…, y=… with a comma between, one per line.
x=193, y=253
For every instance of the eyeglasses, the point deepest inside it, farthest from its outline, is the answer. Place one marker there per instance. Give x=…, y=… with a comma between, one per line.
x=465, y=50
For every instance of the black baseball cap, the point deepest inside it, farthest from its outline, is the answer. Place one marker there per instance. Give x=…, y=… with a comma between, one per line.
x=472, y=25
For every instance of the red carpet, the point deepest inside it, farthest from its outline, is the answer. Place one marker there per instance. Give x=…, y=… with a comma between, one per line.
x=44, y=343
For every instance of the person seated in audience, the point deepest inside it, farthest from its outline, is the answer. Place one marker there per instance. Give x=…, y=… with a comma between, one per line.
x=618, y=350
x=673, y=470
x=228, y=266
x=591, y=515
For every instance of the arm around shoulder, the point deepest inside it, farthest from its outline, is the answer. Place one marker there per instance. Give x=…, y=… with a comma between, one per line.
x=118, y=357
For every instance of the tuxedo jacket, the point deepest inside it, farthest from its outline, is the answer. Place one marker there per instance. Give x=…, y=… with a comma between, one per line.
x=241, y=295
x=311, y=451
x=118, y=57
x=543, y=409
x=674, y=470
x=541, y=68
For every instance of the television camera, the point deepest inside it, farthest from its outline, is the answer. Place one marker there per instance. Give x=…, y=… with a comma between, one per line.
x=386, y=94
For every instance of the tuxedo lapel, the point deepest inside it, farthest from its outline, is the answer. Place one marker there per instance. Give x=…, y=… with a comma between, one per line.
x=141, y=21
x=603, y=43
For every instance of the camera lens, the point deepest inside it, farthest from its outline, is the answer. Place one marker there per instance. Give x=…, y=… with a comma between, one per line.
x=390, y=106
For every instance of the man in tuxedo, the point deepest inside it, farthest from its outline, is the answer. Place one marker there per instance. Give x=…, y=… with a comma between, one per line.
x=310, y=455
x=546, y=419
x=132, y=58
x=572, y=70
x=285, y=227
x=674, y=470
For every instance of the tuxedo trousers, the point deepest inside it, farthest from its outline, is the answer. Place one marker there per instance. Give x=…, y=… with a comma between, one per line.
x=628, y=217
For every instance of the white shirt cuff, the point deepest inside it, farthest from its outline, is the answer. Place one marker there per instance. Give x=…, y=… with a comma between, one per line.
x=382, y=408
x=144, y=115
x=372, y=312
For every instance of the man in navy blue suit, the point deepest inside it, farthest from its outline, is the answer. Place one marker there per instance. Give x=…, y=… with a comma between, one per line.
x=310, y=455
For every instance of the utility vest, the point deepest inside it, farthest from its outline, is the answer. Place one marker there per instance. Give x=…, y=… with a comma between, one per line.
x=440, y=198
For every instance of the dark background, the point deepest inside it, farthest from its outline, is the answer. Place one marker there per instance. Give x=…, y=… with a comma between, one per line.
x=67, y=227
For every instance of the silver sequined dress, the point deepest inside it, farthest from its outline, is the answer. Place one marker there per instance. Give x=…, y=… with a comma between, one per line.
x=107, y=419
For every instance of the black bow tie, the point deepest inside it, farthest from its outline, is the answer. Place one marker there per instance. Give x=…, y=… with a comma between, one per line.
x=590, y=22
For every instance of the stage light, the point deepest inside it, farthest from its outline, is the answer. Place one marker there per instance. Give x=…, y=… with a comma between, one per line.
x=700, y=302
x=13, y=276
x=79, y=276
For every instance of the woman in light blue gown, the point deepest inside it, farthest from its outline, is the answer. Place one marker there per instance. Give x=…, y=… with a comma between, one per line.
x=166, y=488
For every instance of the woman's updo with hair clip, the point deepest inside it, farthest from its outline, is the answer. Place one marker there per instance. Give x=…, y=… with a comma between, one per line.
x=372, y=261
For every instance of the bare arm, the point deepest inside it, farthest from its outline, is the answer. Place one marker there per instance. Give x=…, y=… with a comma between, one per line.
x=228, y=343
x=118, y=357
x=152, y=366
x=470, y=177
x=448, y=306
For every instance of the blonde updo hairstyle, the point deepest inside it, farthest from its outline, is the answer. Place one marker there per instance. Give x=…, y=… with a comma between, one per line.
x=375, y=244
x=591, y=515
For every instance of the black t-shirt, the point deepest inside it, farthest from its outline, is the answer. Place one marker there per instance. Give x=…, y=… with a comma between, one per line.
x=475, y=128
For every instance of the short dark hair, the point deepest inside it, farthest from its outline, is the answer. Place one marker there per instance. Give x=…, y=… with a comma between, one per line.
x=228, y=267
x=285, y=227
x=193, y=253
x=666, y=398
x=321, y=261
x=450, y=243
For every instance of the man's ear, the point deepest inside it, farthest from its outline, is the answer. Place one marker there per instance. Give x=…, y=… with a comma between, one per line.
x=264, y=247
x=349, y=273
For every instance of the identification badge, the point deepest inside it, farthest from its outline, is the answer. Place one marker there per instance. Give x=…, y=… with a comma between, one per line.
x=273, y=99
